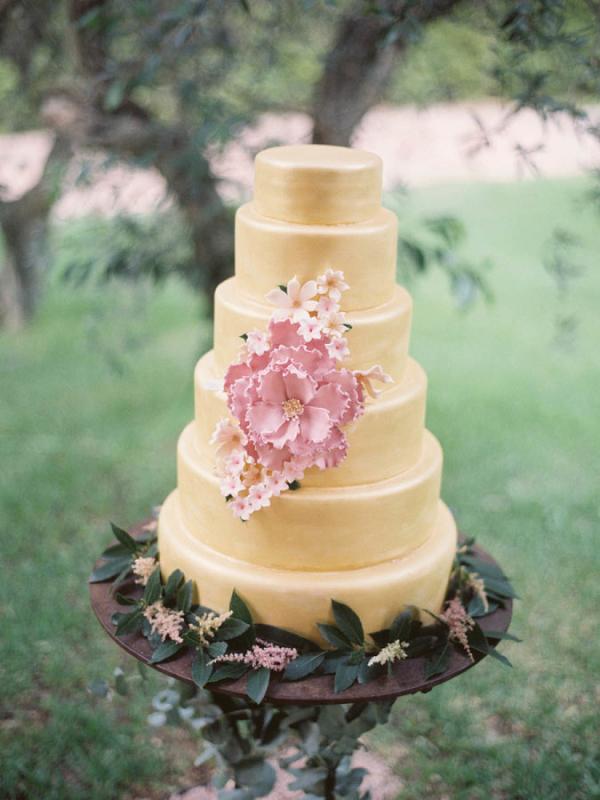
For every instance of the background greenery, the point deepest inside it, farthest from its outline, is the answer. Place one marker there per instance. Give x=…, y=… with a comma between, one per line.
x=94, y=394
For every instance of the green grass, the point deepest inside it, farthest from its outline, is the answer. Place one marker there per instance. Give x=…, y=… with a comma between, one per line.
x=93, y=397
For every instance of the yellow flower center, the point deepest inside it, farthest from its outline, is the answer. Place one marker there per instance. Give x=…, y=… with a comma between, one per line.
x=292, y=408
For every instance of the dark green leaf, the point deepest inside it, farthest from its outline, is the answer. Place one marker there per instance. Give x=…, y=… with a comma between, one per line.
x=421, y=645
x=477, y=640
x=400, y=627
x=164, y=651
x=294, y=485
x=499, y=657
x=303, y=665
x=256, y=774
x=334, y=636
x=244, y=337
x=110, y=569
x=216, y=649
x=332, y=660
x=257, y=684
x=500, y=587
x=231, y=629
x=174, y=582
x=153, y=588
x=345, y=675
x=124, y=538
x=184, y=596
x=348, y=622
x=502, y=635
x=227, y=672
x=201, y=669
x=239, y=608
x=130, y=622
x=381, y=638
x=355, y=710
x=438, y=662
x=367, y=673
x=116, y=551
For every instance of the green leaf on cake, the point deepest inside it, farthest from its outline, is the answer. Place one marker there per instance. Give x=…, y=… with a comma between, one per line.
x=216, y=649
x=173, y=584
x=153, y=589
x=334, y=636
x=184, y=596
x=116, y=551
x=257, y=684
x=239, y=608
x=401, y=626
x=130, y=622
x=164, y=651
x=124, y=538
x=348, y=622
x=303, y=665
x=231, y=629
x=110, y=569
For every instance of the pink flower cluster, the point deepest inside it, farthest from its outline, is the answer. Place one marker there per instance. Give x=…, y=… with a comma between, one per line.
x=459, y=624
x=289, y=396
x=261, y=654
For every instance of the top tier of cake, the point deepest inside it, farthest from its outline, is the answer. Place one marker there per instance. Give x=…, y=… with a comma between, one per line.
x=315, y=207
x=317, y=184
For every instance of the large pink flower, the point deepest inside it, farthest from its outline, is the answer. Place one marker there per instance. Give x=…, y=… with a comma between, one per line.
x=291, y=401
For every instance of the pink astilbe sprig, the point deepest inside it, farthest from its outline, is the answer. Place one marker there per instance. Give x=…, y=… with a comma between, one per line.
x=459, y=624
x=166, y=622
x=262, y=654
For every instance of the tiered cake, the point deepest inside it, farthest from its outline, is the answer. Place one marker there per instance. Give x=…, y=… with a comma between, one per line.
x=371, y=532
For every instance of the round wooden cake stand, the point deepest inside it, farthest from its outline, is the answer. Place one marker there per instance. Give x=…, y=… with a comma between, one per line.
x=407, y=676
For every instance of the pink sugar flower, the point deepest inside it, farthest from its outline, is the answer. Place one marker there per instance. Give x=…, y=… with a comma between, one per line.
x=327, y=305
x=333, y=324
x=338, y=348
x=332, y=283
x=309, y=328
x=241, y=508
x=375, y=373
x=228, y=437
x=257, y=342
x=234, y=463
x=276, y=483
x=259, y=496
x=231, y=486
x=294, y=303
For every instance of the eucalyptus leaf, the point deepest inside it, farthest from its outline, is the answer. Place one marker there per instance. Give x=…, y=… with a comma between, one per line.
x=257, y=684
x=502, y=635
x=128, y=623
x=239, y=608
x=400, y=627
x=174, y=582
x=116, y=551
x=499, y=657
x=348, y=622
x=216, y=649
x=227, y=671
x=124, y=600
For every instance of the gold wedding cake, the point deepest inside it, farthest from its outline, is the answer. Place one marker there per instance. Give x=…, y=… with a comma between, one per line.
x=371, y=531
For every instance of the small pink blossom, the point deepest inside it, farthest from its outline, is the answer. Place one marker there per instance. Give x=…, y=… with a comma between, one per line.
x=276, y=484
x=338, y=348
x=231, y=486
x=375, y=373
x=292, y=472
x=259, y=496
x=296, y=302
x=252, y=474
x=309, y=328
x=228, y=437
x=332, y=283
x=257, y=342
x=235, y=463
x=241, y=507
x=333, y=324
x=327, y=305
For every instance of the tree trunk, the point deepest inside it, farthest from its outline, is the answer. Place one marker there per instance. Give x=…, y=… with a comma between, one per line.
x=360, y=62
x=24, y=224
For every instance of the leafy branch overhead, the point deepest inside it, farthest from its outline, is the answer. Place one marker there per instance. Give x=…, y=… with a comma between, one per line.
x=230, y=645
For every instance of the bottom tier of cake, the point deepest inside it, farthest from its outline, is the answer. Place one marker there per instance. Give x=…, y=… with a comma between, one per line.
x=295, y=599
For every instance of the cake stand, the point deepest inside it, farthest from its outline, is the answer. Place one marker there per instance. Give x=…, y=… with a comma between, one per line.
x=315, y=692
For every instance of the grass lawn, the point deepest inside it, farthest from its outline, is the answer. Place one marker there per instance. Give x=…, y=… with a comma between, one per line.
x=93, y=397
